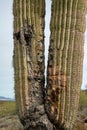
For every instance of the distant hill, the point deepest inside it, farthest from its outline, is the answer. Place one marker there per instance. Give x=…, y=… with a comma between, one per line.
x=6, y=99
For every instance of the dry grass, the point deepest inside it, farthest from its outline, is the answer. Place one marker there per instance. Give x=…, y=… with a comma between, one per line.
x=82, y=106
x=8, y=118
x=83, y=98
x=7, y=108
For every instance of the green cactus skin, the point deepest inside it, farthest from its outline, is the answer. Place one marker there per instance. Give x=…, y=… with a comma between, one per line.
x=64, y=76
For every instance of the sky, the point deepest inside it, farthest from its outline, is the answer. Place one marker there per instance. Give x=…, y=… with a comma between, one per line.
x=84, y=80
x=47, y=33
x=6, y=47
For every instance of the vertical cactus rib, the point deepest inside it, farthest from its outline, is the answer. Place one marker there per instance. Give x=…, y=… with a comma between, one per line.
x=24, y=9
x=15, y=52
x=20, y=58
x=55, y=54
x=14, y=13
x=64, y=57
x=69, y=57
x=18, y=89
x=20, y=80
x=59, y=24
x=28, y=11
x=62, y=40
x=25, y=65
x=21, y=22
x=65, y=61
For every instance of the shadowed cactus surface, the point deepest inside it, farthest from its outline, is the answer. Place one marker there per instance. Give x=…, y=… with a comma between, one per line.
x=64, y=73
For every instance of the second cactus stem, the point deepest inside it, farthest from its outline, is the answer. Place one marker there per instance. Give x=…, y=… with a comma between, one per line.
x=64, y=75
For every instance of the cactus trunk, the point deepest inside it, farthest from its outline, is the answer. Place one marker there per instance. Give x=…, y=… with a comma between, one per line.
x=29, y=62
x=64, y=75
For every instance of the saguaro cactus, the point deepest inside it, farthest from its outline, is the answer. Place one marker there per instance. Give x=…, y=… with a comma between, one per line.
x=29, y=62
x=64, y=63
x=64, y=76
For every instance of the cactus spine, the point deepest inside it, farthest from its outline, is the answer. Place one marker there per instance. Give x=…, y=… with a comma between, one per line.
x=64, y=73
x=65, y=61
